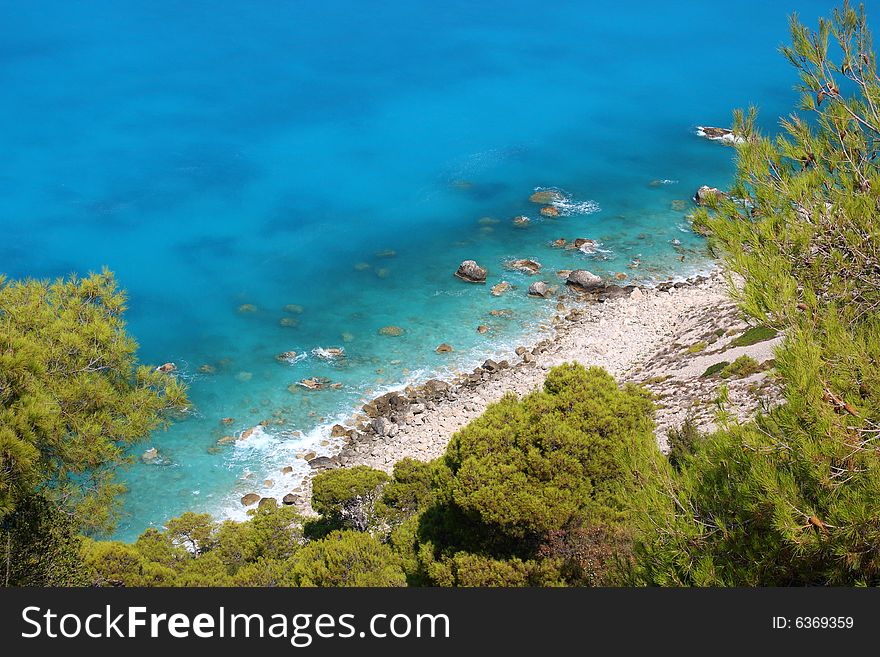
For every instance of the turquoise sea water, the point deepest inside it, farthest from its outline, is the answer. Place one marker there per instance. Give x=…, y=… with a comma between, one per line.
x=222, y=154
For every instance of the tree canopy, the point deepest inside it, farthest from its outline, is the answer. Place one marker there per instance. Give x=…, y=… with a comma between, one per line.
x=73, y=398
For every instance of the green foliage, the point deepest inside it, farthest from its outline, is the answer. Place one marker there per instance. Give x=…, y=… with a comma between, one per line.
x=753, y=335
x=697, y=347
x=347, y=558
x=530, y=467
x=72, y=396
x=682, y=441
x=793, y=498
x=523, y=489
x=349, y=494
x=194, y=550
x=39, y=546
x=742, y=367
x=714, y=369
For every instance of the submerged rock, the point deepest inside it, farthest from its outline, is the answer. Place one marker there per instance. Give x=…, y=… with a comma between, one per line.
x=587, y=246
x=391, y=331
x=550, y=211
x=482, y=328
x=444, y=349
x=530, y=267
x=247, y=308
x=293, y=308
x=330, y=353
x=314, y=383
x=583, y=279
x=207, y=369
x=150, y=455
x=501, y=312
x=546, y=197
x=560, y=243
x=288, y=356
x=471, y=272
x=500, y=288
x=521, y=221
x=167, y=368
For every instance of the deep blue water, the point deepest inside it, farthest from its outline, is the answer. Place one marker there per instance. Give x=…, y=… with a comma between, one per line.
x=216, y=154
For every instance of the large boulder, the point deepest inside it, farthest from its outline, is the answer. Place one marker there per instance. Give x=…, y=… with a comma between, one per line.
x=444, y=348
x=290, y=499
x=471, y=272
x=249, y=499
x=539, y=289
x=584, y=280
x=435, y=389
x=322, y=462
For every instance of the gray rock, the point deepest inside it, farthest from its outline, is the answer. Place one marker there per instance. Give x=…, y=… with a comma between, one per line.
x=382, y=426
x=584, y=280
x=539, y=289
x=471, y=272
x=322, y=462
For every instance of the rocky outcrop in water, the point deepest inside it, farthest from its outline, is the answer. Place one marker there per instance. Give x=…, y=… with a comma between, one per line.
x=471, y=272
x=530, y=267
x=539, y=289
x=706, y=195
x=724, y=135
x=547, y=197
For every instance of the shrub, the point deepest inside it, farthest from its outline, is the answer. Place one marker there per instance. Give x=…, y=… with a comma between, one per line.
x=349, y=494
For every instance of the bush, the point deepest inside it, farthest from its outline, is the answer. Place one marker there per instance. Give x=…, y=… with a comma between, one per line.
x=346, y=558
x=349, y=494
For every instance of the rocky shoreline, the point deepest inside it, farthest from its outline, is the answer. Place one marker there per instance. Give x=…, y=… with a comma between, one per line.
x=667, y=338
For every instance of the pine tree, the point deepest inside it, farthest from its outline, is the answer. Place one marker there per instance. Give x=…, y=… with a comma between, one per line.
x=793, y=498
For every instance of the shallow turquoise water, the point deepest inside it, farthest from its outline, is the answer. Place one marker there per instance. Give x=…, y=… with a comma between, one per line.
x=221, y=154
